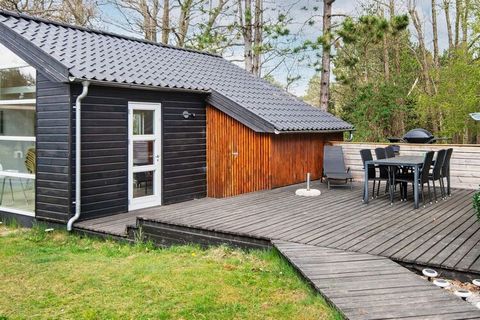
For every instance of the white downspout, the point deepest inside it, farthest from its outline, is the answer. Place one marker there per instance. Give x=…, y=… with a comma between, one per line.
x=78, y=155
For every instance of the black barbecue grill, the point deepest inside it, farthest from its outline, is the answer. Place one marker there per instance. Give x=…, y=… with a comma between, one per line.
x=417, y=135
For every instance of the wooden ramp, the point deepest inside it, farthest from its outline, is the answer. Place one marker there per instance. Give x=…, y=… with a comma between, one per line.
x=364, y=286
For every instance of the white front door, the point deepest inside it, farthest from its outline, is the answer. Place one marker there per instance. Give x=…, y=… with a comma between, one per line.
x=144, y=155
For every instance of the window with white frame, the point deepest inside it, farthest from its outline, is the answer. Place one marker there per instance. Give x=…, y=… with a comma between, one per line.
x=17, y=134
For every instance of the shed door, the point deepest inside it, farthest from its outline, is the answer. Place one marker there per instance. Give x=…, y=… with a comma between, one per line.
x=144, y=153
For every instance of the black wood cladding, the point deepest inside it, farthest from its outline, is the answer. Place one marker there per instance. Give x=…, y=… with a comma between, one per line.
x=105, y=147
x=53, y=174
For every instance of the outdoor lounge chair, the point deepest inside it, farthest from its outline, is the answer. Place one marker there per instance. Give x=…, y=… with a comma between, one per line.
x=334, y=166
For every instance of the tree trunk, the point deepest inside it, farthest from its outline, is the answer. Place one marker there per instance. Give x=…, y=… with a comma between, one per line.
x=166, y=21
x=435, y=34
x=153, y=20
x=325, y=75
x=423, y=51
x=149, y=16
x=446, y=8
x=458, y=16
x=398, y=124
x=466, y=13
x=245, y=20
x=386, y=64
x=386, y=56
x=396, y=48
x=257, y=41
x=183, y=21
x=424, y=64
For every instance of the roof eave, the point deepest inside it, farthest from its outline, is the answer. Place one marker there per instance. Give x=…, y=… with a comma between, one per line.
x=314, y=131
x=37, y=58
x=137, y=86
x=239, y=113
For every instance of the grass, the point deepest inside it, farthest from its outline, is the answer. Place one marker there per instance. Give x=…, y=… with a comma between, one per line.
x=62, y=276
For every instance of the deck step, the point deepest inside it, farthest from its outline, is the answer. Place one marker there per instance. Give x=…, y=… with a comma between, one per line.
x=364, y=286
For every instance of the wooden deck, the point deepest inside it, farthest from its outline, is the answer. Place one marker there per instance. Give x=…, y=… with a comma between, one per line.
x=365, y=286
x=444, y=235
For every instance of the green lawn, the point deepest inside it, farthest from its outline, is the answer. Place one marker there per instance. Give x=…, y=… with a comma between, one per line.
x=61, y=276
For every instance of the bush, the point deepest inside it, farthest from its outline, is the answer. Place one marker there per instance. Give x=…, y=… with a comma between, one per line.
x=476, y=204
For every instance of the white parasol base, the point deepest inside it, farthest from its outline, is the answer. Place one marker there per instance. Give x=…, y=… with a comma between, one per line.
x=308, y=193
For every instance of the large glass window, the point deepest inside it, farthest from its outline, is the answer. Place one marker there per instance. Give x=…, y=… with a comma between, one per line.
x=17, y=134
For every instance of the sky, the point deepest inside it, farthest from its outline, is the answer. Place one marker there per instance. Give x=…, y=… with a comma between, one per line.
x=304, y=70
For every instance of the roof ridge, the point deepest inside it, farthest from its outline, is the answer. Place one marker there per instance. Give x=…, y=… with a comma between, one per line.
x=101, y=32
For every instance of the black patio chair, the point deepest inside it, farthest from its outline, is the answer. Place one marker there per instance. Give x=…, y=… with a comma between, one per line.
x=395, y=148
x=381, y=153
x=334, y=168
x=366, y=155
x=446, y=171
x=436, y=174
x=422, y=179
x=390, y=151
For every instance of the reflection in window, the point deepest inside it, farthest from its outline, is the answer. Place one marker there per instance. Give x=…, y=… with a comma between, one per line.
x=143, y=184
x=17, y=120
x=142, y=153
x=142, y=122
x=17, y=83
x=17, y=133
x=17, y=193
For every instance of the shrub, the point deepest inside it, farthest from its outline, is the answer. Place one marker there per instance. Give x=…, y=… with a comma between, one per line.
x=476, y=204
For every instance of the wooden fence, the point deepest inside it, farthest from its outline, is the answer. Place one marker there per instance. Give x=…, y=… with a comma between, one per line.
x=465, y=163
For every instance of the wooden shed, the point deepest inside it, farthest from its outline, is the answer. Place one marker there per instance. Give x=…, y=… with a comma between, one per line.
x=95, y=124
x=240, y=160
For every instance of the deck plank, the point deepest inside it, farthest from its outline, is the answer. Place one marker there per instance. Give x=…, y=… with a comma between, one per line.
x=376, y=296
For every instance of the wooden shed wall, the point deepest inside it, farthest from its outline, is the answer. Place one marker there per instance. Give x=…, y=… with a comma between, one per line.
x=293, y=155
x=240, y=160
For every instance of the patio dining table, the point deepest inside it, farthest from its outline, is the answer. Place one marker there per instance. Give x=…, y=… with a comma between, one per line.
x=414, y=162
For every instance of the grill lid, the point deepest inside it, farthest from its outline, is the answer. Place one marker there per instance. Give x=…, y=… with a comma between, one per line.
x=418, y=135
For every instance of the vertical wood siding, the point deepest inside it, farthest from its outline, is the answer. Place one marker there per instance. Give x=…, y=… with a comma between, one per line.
x=264, y=161
x=293, y=155
x=53, y=115
x=105, y=147
x=238, y=159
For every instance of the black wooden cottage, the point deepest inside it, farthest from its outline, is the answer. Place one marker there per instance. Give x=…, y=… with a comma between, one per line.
x=143, y=122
